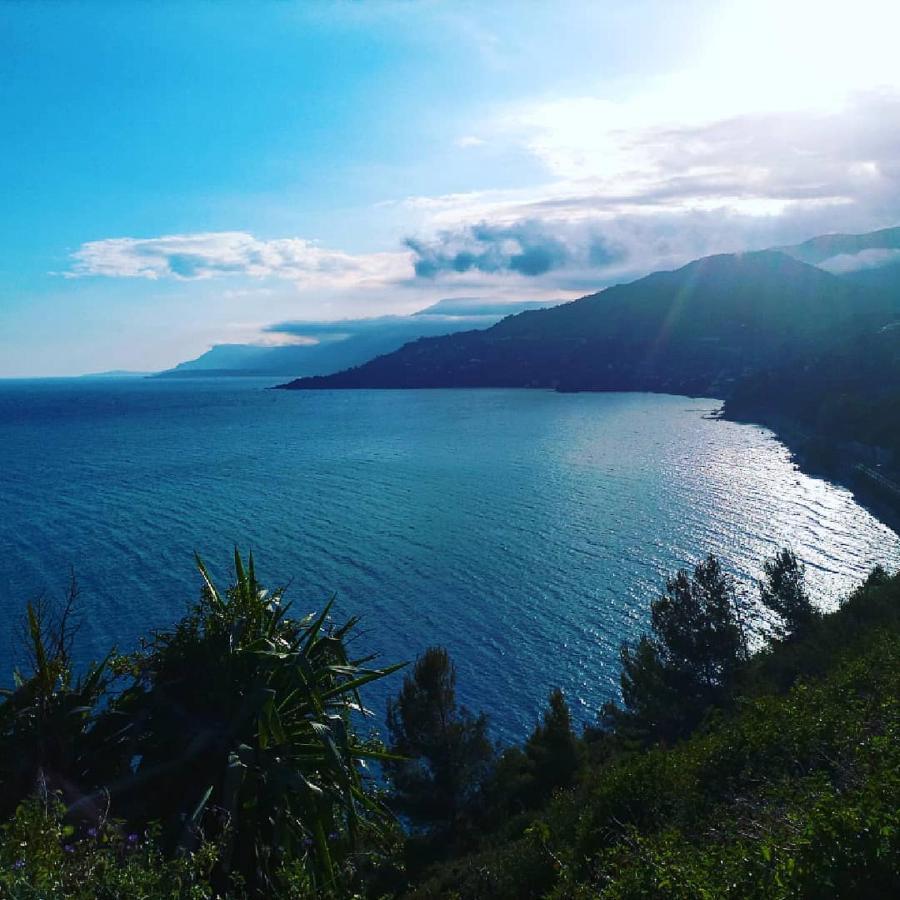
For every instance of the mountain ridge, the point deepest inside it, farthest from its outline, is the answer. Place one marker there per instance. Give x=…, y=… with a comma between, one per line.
x=693, y=330
x=823, y=247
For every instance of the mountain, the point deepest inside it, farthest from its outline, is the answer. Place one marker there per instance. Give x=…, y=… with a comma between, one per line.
x=871, y=260
x=695, y=330
x=331, y=346
x=820, y=250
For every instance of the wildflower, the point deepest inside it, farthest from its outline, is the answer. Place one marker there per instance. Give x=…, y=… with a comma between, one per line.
x=68, y=848
x=19, y=864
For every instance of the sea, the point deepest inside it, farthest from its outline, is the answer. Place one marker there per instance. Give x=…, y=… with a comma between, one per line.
x=526, y=531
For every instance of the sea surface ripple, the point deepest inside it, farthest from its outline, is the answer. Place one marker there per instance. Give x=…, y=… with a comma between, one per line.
x=525, y=530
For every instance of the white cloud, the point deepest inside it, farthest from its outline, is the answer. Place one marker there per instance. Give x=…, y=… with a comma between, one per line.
x=782, y=125
x=664, y=194
x=213, y=254
x=259, y=334
x=760, y=163
x=865, y=259
x=661, y=195
x=468, y=141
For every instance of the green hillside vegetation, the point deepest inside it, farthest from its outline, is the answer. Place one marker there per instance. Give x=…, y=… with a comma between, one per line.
x=850, y=393
x=788, y=784
x=227, y=758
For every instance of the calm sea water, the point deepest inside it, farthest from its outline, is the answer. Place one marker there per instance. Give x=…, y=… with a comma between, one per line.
x=526, y=531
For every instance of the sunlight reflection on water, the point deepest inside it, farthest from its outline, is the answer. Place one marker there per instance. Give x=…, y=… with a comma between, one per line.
x=527, y=531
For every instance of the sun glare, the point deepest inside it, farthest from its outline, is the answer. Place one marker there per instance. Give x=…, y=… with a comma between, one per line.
x=773, y=55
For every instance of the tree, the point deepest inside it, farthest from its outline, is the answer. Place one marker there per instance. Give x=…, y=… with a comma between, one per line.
x=671, y=678
x=525, y=777
x=552, y=749
x=446, y=749
x=652, y=705
x=878, y=577
x=783, y=591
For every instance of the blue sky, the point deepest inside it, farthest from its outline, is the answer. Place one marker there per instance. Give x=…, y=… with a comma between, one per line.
x=176, y=175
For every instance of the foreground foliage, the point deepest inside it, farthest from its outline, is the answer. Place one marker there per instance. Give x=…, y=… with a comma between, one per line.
x=792, y=789
x=234, y=729
x=44, y=856
x=223, y=760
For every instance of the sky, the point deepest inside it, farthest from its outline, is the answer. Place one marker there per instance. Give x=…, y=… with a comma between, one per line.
x=179, y=175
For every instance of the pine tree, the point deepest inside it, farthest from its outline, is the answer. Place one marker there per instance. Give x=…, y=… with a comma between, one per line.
x=552, y=749
x=446, y=748
x=784, y=592
x=670, y=678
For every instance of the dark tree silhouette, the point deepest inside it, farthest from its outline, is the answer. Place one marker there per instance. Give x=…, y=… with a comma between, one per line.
x=552, y=749
x=446, y=747
x=672, y=677
x=783, y=591
x=525, y=777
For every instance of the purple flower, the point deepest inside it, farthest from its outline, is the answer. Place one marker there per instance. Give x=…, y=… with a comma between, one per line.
x=19, y=864
x=68, y=848
x=307, y=842
x=92, y=832
x=132, y=838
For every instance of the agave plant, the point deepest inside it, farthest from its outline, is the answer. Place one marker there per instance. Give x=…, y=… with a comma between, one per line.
x=47, y=718
x=240, y=727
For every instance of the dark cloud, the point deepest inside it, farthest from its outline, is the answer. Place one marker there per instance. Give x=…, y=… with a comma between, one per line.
x=473, y=312
x=530, y=248
x=742, y=183
x=745, y=183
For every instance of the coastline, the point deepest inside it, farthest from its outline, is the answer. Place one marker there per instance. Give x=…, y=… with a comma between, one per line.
x=846, y=464
x=840, y=465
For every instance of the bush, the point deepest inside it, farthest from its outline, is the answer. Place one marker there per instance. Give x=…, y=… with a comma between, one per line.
x=44, y=856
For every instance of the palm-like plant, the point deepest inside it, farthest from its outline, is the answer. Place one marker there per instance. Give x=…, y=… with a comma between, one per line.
x=47, y=718
x=240, y=726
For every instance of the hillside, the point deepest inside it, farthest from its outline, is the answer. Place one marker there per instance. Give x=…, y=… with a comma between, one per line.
x=695, y=330
x=790, y=790
x=850, y=394
x=869, y=260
